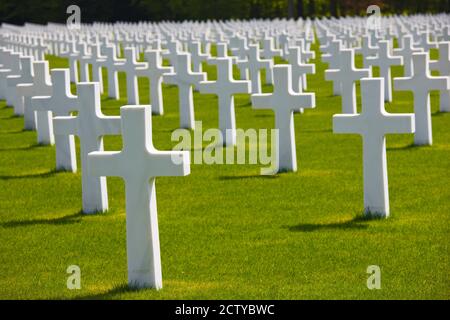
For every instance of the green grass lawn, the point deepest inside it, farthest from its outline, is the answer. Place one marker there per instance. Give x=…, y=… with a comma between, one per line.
x=225, y=231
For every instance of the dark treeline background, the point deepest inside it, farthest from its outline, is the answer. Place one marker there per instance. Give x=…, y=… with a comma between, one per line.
x=42, y=11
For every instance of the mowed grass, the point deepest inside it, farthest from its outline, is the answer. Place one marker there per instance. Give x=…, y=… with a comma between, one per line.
x=225, y=231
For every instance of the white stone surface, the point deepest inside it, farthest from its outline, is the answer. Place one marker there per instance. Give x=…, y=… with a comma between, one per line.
x=26, y=76
x=442, y=65
x=185, y=79
x=373, y=124
x=139, y=163
x=384, y=60
x=154, y=72
x=225, y=87
x=90, y=125
x=421, y=83
x=346, y=76
x=61, y=103
x=284, y=101
x=38, y=120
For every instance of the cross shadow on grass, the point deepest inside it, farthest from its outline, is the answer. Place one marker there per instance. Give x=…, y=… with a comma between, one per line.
x=252, y=176
x=439, y=114
x=357, y=223
x=30, y=147
x=318, y=130
x=64, y=220
x=46, y=174
x=15, y=131
x=410, y=146
x=110, y=294
x=13, y=116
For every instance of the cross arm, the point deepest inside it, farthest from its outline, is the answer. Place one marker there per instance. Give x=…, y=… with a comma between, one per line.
x=111, y=125
x=25, y=89
x=105, y=163
x=440, y=83
x=207, y=87
x=65, y=125
x=308, y=68
x=170, y=78
x=169, y=163
x=302, y=100
x=262, y=101
x=345, y=123
x=399, y=123
x=403, y=84
x=41, y=103
x=332, y=74
x=13, y=80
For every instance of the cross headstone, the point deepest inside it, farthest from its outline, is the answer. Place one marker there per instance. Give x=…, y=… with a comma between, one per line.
x=26, y=76
x=373, y=124
x=384, y=60
x=299, y=69
x=332, y=58
x=132, y=68
x=111, y=62
x=225, y=87
x=346, y=76
x=11, y=67
x=421, y=83
x=96, y=59
x=185, y=79
x=38, y=120
x=197, y=56
x=61, y=103
x=443, y=66
x=154, y=72
x=284, y=101
x=90, y=125
x=139, y=163
x=254, y=64
x=406, y=51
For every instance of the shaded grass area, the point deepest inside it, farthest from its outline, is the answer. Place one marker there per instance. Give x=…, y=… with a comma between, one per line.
x=227, y=233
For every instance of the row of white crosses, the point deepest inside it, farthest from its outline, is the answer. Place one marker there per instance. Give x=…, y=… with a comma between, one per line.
x=138, y=154
x=90, y=126
x=373, y=122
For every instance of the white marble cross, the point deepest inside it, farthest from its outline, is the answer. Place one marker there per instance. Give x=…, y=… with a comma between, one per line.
x=61, y=103
x=346, y=76
x=443, y=66
x=154, y=72
x=197, y=56
x=225, y=87
x=72, y=55
x=90, y=125
x=424, y=41
x=96, y=59
x=406, y=51
x=284, y=101
x=384, y=60
x=11, y=67
x=132, y=68
x=373, y=124
x=82, y=57
x=254, y=64
x=139, y=163
x=26, y=76
x=299, y=69
x=332, y=58
x=421, y=83
x=269, y=50
x=185, y=79
x=366, y=50
x=111, y=64
x=38, y=120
